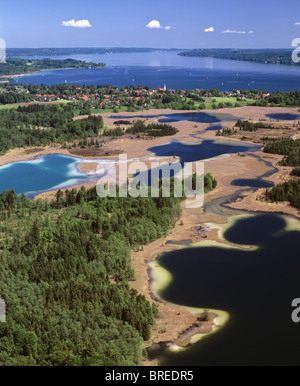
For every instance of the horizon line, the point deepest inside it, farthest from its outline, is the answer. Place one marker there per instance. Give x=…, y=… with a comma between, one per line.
x=150, y=48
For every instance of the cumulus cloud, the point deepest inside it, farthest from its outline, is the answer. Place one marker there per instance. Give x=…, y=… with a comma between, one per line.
x=298, y=23
x=77, y=24
x=168, y=27
x=210, y=29
x=154, y=24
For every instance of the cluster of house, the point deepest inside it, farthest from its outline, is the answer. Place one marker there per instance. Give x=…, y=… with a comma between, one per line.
x=107, y=97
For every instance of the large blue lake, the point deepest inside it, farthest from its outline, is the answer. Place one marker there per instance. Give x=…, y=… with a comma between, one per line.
x=42, y=174
x=155, y=69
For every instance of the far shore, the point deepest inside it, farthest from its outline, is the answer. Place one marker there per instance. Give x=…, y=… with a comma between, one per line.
x=45, y=69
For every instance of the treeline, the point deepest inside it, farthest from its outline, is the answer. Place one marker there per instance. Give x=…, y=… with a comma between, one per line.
x=13, y=52
x=296, y=172
x=24, y=66
x=288, y=147
x=65, y=267
x=41, y=125
x=275, y=56
x=139, y=128
x=152, y=130
x=210, y=182
x=291, y=98
x=250, y=126
x=12, y=97
x=226, y=132
x=288, y=191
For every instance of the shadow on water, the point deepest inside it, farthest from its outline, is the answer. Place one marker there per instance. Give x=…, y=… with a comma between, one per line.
x=284, y=117
x=255, y=286
x=253, y=183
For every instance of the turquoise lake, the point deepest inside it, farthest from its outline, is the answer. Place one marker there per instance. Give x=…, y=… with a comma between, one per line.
x=41, y=174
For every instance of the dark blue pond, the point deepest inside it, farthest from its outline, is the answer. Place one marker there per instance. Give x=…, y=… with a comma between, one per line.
x=191, y=153
x=203, y=150
x=284, y=117
x=192, y=117
x=255, y=286
x=253, y=183
x=42, y=174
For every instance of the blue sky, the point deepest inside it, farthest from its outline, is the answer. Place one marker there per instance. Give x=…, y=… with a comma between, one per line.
x=230, y=23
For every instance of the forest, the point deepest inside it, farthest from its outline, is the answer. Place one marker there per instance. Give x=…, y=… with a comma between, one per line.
x=25, y=66
x=64, y=277
x=288, y=191
x=139, y=129
x=288, y=147
x=65, y=273
x=152, y=129
x=250, y=126
x=41, y=125
x=274, y=56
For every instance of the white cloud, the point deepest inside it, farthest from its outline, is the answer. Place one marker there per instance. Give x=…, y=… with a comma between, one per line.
x=154, y=24
x=229, y=31
x=210, y=29
x=297, y=23
x=168, y=27
x=250, y=32
x=76, y=24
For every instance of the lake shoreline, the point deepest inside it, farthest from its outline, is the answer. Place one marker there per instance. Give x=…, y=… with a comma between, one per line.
x=13, y=76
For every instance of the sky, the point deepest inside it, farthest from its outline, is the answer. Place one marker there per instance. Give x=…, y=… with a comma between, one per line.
x=150, y=23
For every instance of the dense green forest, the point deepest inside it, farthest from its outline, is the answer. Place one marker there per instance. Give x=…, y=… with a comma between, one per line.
x=296, y=172
x=65, y=267
x=282, y=99
x=25, y=66
x=41, y=125
x=276, y=56
x=152, y=130
x=288, y=191
x=250, y=126
x=288, y=147
x=65, y=272
x=140, y=129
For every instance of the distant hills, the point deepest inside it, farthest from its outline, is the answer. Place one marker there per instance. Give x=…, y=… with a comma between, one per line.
x=270, y=56
x=17, y=52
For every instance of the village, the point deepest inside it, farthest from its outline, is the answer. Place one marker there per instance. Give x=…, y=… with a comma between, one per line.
x=129, y=98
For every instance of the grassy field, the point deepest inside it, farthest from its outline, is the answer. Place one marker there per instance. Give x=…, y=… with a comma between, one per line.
x=233, y=100
x=16, y=105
